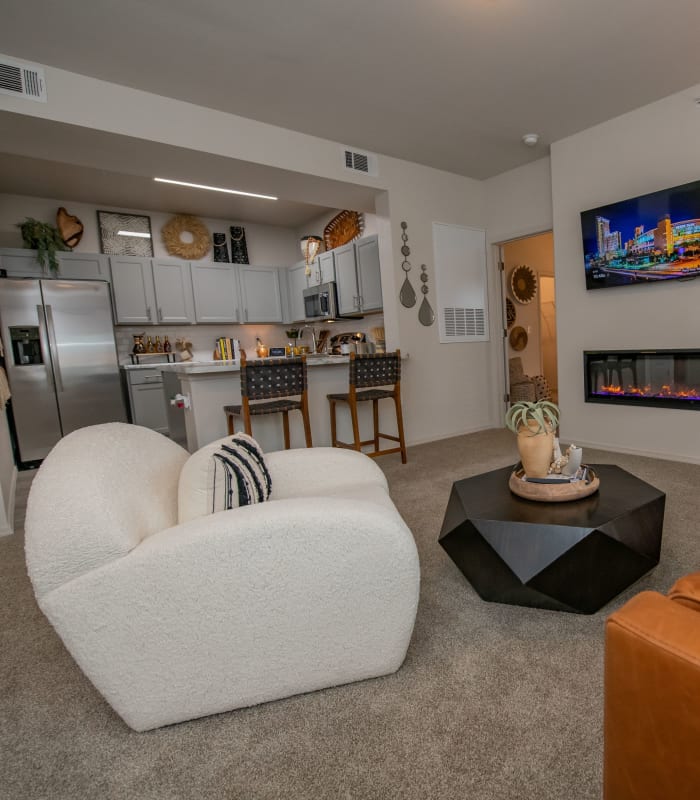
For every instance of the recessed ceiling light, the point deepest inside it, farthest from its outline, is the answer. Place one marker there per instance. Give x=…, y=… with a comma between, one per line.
x=215, y=189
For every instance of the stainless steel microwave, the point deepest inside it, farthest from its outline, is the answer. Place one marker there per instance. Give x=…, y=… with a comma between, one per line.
x=321, y=302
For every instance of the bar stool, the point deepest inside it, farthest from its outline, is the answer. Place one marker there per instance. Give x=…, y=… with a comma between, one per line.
x=371, y=370
x=274, y=378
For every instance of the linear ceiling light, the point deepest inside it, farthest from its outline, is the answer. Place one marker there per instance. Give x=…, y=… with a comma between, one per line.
x=215, y=189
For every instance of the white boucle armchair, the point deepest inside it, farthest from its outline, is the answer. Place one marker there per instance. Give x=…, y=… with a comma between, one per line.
x=316, y=587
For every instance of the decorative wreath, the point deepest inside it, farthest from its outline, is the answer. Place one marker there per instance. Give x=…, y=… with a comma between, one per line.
x=510, y=312
x=172, y=237
x=523, y=284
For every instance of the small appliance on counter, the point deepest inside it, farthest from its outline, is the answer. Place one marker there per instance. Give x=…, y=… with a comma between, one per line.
x=345, y=343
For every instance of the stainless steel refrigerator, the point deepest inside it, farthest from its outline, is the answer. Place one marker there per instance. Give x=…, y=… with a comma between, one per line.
x=60, y=358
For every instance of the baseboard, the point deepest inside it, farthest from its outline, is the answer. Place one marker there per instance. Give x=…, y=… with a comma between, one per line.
x=464, y=432
x=9, y=527
x=631, y=451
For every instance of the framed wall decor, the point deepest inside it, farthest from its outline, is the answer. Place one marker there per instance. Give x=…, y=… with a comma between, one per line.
x=125, y=234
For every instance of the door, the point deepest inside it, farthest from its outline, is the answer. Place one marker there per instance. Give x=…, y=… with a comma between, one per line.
x=262, y=299
x=346, y=279
x=83, y=266
x=173, y=287
x=215, y=288
x=132, y=285
x=28, y=364
x=83, y=353
x=297, y=283
x=369, y=274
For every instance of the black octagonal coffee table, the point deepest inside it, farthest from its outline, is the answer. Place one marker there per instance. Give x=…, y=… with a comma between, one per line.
x=573, y=556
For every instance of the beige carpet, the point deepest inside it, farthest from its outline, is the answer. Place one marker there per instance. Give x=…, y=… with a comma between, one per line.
x=494, y=702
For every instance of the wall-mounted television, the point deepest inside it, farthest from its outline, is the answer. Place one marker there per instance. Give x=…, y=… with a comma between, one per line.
x=654, y=237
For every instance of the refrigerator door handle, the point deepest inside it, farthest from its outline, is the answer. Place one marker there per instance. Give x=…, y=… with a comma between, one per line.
x=53, y=346
x=43, y=343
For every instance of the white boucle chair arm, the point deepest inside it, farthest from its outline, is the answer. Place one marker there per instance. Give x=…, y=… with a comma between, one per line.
x=320, y=470
x=244, y=606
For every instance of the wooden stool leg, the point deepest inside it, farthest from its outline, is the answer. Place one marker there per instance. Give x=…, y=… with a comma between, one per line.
x=399, y=425
x=246, y=417
x=305, y=417
x=285, y=425
x=375, y=416
x=229, y=422
x=355, y=424
x=334, y=437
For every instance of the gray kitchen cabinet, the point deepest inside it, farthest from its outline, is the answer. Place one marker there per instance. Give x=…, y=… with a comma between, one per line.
x=358, y=276
x=172, y=281
x=132, y=290
x=216, y=295
x=261, y=297
x=147, y=400
x=346, y=279
x=83, y=266
x=21, y=263
x=297, y=282
x=369, y=275
x=322, y=268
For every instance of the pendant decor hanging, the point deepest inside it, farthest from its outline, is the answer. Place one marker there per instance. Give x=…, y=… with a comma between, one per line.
x=407, y=295
x=239, y=248
x=426, y=316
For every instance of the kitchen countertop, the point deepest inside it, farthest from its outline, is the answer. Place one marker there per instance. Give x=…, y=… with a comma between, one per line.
x=198, y=367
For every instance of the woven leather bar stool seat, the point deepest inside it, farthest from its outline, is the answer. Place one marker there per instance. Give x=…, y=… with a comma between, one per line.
x=278, y=378
x=371, y=370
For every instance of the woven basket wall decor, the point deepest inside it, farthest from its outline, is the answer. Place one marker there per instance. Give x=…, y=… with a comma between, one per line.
x=343, y=228
x=172, y=237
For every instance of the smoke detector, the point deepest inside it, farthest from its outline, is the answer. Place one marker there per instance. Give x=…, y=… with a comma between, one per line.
x=531, y=139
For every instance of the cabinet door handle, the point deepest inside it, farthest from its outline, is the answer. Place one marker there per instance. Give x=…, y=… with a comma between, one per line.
x=148, y=313
x=245, y=311
x=160, y=314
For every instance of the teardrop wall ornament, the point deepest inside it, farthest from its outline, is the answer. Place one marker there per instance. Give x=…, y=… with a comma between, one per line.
x=407, y=294
x=426, y=315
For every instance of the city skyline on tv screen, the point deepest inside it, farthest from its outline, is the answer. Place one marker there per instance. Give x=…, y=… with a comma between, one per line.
x=653, y=237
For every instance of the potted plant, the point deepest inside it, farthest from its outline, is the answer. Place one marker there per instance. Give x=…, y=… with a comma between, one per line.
x=45, y=239
x=534, y=424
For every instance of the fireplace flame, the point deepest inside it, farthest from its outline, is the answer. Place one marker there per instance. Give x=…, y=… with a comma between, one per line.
x=665, y=391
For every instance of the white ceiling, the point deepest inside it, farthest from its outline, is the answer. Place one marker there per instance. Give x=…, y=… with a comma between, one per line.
x=449, y=83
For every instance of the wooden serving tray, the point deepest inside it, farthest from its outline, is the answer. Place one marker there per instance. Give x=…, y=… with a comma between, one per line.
x=553, y=492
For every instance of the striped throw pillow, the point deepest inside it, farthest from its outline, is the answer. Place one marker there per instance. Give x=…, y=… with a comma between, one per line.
x=241, y=476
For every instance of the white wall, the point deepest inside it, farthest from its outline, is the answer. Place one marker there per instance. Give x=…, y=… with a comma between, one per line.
x=447, y=388
x=652, y=148
x=268, y=245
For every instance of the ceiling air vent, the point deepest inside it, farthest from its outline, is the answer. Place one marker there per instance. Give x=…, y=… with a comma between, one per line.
x=19, y=79
x=361, y=162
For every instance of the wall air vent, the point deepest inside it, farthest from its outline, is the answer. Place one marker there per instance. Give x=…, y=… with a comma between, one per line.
x=360, y=162
x=461, y=283
x=464, y=322
x=20, y=79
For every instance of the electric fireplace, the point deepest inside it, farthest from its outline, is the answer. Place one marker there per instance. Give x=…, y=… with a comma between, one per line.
x=662, y=378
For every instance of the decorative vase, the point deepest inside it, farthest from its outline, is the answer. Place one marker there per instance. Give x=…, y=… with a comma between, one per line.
x=535, y=452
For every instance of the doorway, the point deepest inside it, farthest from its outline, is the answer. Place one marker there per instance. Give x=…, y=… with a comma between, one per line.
x=529, y=315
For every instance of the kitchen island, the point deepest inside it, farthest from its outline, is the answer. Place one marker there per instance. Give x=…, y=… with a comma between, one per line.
x=207, y=388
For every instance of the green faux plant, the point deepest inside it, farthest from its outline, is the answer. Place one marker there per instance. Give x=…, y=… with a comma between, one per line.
x=45, y=239
x=538, y=417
